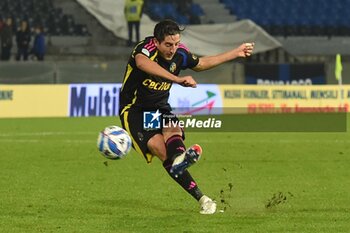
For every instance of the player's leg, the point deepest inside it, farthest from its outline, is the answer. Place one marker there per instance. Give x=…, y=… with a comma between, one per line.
x=132, y=122
x=149, y=143
x=174, y=149
x=157, y=147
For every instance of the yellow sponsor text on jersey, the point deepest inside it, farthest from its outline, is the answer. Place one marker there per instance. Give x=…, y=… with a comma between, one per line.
x=158, y=86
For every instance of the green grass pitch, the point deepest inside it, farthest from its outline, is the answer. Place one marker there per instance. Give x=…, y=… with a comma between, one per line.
x=52, y=179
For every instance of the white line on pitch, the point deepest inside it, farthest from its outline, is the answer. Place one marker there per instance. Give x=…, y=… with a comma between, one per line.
x=45, y=133
x=41, y=141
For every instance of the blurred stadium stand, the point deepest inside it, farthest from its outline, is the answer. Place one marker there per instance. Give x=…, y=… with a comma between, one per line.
x=295, y=17
x=188, y=11
x=309, y=30
x=111, y=71
x=182, y=11
x=43, y=13
x=63, y=72
x=98, y=35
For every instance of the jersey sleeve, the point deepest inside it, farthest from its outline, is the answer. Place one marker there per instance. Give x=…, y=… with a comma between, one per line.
x=189, y=60
x=147, y=48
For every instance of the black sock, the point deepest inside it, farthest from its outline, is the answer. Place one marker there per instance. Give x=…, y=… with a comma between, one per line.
x=175, y=146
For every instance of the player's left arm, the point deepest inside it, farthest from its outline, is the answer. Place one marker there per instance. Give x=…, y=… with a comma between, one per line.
x=208, y=62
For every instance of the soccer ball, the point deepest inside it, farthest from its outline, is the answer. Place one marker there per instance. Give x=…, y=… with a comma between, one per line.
x=114, y=142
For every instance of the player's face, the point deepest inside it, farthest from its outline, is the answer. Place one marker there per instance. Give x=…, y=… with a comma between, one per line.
x=167, y=48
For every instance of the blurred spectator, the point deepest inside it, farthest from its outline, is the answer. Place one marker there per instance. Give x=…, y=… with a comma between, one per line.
x=184, y=6
x=6, y=40
x=133, y=12
x=1, y=23
x=23, y=39
x=38, y=49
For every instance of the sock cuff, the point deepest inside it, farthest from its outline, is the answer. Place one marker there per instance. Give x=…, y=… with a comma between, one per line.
x=173, y=138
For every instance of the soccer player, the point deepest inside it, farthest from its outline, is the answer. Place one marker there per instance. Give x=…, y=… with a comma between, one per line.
x=153, y=66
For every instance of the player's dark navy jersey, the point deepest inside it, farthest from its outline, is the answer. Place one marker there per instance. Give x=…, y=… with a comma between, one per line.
x=148, y=92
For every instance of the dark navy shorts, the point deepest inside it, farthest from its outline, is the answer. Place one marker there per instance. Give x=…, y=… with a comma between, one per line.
x=133, y=122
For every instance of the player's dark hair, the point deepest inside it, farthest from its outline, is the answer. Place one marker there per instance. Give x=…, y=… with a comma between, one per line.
x=165, y=28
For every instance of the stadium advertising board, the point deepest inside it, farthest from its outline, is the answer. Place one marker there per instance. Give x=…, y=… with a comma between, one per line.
x=285, y=74
x=205, y=99
x=93, y=100
x=285, y=99
x=33, y=100
x=283, y=108
x=102, y=99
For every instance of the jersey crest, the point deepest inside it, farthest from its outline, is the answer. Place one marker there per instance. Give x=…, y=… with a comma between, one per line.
x=172, y=67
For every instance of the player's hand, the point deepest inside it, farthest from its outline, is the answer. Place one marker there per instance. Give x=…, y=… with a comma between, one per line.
x=246, y=49
x=187, y=81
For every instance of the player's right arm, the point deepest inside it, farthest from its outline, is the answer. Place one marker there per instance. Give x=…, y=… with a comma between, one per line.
x=208, y=62
x=147, y=65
